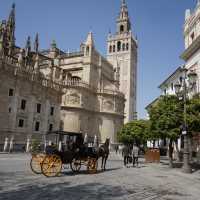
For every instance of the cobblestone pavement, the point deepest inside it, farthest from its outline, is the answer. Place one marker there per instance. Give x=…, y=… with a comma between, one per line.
x=147, y=182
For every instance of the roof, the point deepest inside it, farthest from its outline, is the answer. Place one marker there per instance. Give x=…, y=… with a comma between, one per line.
x=152, y=103
x=179, y=69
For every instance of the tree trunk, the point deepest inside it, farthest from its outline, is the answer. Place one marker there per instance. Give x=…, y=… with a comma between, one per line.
x=154, y=143
x=171, y=153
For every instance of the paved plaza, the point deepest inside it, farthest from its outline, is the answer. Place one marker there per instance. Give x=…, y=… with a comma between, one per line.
x=148, y=181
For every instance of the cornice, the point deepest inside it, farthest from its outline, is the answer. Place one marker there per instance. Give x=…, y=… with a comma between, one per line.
x=194, y=47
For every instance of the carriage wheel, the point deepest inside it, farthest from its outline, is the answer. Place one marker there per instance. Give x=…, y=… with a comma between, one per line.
x=51, y=165
x=75, y=165
x=92, y=165
x=36, y=162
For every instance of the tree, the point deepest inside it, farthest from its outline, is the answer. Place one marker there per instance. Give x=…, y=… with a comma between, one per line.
x=193, y=114
x=135, y=131
x=166, y=118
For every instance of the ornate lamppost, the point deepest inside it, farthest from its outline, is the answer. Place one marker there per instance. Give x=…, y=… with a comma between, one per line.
x=182, y=89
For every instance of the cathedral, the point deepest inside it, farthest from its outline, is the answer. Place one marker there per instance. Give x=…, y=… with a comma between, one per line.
x=71, y=91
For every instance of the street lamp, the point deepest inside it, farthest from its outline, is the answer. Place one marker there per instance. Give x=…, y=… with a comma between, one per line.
x=185, y=89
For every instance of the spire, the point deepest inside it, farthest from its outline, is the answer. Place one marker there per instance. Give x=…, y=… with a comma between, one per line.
x=123, y=3
x=53, y=44
x=36, y=43
x=11, y=29
x=124, y=10
x=123, y=21
x=28, y=46
x=89, y=40
x=11, y=18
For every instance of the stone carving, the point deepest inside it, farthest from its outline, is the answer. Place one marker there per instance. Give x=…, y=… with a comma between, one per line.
x=73, y=98
x=108, y=105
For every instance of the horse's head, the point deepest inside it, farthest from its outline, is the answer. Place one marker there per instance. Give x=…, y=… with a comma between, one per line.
x=107, y=142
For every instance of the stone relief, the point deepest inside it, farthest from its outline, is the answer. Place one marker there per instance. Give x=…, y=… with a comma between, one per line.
x=108, y=105
x=73, y=98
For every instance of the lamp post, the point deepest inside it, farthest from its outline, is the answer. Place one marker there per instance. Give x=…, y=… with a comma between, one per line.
x=182, y=89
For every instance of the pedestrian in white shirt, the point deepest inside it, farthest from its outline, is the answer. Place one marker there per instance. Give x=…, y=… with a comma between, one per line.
x=135, y=153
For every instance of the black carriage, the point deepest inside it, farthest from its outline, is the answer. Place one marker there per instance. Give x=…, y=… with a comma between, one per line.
x=65, y=148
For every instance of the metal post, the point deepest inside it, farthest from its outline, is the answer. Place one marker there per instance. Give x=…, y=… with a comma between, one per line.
x=186, y=165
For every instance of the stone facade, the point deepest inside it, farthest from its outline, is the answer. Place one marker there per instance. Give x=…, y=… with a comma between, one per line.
x=92, y=102
x=53, y=90
x=122, y=54
x=29, y=99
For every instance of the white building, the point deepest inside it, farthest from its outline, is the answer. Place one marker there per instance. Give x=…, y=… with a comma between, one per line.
x=167, y=87
x=191, y=55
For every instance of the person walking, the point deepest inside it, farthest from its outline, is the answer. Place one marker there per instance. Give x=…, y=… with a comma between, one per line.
x=135, y=153
x=116, y=149
x=125, y=153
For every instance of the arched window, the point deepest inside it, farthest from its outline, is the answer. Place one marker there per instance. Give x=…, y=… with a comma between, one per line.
x=110, y=49
x=127, y=46
x=123, y=47
x=121, y=28
x=87, y=50
x=119, y=46
x=113, y=48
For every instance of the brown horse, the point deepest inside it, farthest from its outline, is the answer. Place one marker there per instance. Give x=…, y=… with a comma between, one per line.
x=103, y=152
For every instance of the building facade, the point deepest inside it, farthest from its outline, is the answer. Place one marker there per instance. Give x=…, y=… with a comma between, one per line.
x=92, y=102
x=29, y=99
x=79, y=91
x=122, y=54
x=191, y=54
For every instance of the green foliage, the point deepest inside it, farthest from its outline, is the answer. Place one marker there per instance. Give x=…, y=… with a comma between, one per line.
x=166, y=118
x=135, y=131
x=35, y=146
x=193, y=114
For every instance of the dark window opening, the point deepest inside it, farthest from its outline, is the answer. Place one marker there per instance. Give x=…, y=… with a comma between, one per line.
x=127, y=46
x=123, y=47
x=37, y=126
x=9, y=109
x=87, y=50
x=11, y=92
x=23, y=104
x=119, y=46
x=172, y=86
x=113, y=48
x=21, y=123
x=39, y=108
x=50, y=127
x=192, y=36
x=110, y=49
x=52, y=111
x=121, y=28
x=181, y=79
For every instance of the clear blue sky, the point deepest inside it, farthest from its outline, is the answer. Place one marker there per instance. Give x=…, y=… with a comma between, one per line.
x=158, y=25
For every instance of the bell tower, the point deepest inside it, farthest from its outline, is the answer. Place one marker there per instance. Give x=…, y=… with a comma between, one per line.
x=122, y=54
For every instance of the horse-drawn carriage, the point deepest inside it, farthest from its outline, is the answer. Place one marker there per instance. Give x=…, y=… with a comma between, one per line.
x=68, y=148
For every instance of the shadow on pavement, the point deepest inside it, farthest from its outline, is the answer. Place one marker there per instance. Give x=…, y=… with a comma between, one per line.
x=70, y=173
x=195, y=166
x=61, y=191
